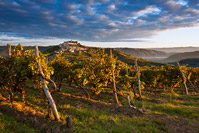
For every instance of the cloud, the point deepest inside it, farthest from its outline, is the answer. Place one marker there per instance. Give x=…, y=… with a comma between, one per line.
x=5, y=39
x=94, y=20
x=111, y=7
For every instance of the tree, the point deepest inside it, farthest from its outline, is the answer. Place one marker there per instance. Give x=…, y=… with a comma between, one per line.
x=62, y=70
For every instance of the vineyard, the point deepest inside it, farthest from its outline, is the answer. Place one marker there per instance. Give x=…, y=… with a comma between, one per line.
x=95, y=91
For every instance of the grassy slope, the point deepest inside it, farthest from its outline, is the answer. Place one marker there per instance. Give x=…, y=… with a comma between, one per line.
x=10, y=124
x=92, y=115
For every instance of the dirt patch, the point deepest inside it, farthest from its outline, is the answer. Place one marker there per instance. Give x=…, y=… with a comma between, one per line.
x=130, y=111
x=160, y=101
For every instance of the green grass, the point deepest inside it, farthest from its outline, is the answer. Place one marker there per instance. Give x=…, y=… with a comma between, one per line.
x=87, y=118
x=196, y=104
x=91, y=118
x=189, y=97
x=9, y=124
x=185, y=103
x=190, y=101
x=169, y=108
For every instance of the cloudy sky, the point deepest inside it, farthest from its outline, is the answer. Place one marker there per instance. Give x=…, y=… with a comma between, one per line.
x=104, y=23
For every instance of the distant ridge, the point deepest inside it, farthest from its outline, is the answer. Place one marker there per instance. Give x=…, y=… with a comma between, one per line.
x=137, y=52
x=176, y=49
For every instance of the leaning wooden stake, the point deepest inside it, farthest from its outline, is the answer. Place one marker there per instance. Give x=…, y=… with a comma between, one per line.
x=114, y=85
x=183, y=78
x=45, y=87
x=138, y=78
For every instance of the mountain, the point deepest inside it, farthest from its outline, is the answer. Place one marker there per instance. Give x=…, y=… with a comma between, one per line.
x=181, y=56
x=176, y=49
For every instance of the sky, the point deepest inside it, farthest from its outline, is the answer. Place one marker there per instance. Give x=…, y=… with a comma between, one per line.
x=102, y=23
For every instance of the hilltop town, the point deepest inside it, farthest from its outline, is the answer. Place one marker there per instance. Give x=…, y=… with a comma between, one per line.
x=71, y=46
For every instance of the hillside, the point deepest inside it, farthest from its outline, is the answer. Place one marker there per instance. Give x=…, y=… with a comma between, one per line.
x=130, y=59
x=181, y=56
x=124, y=57
x=120, y=55
x=142, y=52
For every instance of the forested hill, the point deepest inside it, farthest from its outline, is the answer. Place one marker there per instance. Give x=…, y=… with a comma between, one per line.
x=192, y=62
x=45, y=49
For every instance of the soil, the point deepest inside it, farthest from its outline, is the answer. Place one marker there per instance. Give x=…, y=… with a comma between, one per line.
x=130, y=111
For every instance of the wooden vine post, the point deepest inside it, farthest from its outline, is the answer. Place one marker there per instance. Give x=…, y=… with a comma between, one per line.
x=113, y=83
x=190, y=83
x=129, y=101
x=138, y=78
x=133, y=86
x=69, y=121
x=9, y=50
x=11, y=94
x=127, y=71
x=183, y=78
x=45, y=87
